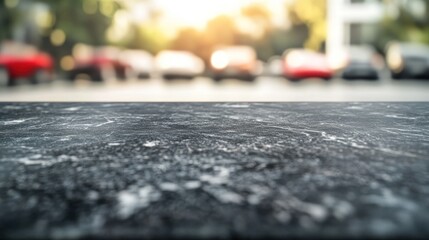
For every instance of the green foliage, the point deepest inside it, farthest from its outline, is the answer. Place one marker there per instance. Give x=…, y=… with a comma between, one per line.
x=311, y=13
x=147, y=37
x=404, y=27
x=8, y=19
x=78, y=25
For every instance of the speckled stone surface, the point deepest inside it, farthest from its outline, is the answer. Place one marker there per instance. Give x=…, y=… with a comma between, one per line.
x=107, y=170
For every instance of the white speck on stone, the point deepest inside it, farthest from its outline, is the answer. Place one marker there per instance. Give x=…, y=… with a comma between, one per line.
x=230, y=197
x=170, y=187
x=93, y=195
x=283, y=217
x=36, y=156
x=130, y=201
x=388, y=199
x=27, y=161
x=225, y=196
x=192, y=185
x=214, y=180
x=114, y=144
x=235, y=117
x=221, y=178
x=151, y=143
x=233, y=105
x=317, y=212
x=40, y=160
x=342, y=210
x=71, y=109
x=254, y=199
x=14, y=122
x=355, y=108
x=12, y=107
x=63, y=158
x=258, y=194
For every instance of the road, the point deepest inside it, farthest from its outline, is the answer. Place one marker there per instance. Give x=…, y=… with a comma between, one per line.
x=265, y=89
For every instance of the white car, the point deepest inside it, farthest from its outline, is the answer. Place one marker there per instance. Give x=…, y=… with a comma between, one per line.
x=235, y=62
x=141, y=62
x=179, y=64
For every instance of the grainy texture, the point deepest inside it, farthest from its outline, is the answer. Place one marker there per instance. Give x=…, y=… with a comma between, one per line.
x=70, y=170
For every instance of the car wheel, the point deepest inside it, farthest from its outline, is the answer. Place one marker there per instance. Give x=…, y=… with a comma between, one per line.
x=250, y=78
x=293, y=79
x=143, y=75
x=327, y=79
x=374, y=77
x=41, y=76
x=5, y=79
x=72, y=76
x=167, y=77
x=97, y=76
x=349, y=78
x=217, y=78
x=123, y=74
x=399, y=75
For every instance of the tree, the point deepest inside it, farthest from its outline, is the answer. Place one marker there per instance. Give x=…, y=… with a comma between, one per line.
x=147, y=37
x=188, y=39
x=405, y=26
x=81, y=26
x=311, y=13
x=8, y=18
x=258, y=13
x=219, y=31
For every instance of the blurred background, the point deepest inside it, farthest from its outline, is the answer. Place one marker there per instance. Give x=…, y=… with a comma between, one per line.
x=214, y=50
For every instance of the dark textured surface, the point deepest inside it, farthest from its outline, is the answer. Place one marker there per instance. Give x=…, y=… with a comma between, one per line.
x=72, y=170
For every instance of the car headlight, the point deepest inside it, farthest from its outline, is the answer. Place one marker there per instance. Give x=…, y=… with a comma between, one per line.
x=394, y=59
x=219, y=60
x=295, y=59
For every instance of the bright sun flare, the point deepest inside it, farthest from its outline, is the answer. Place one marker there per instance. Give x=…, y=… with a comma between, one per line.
x=196, y=13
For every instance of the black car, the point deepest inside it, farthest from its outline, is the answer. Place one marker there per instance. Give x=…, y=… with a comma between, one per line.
x=408, y=60
x=363, y=62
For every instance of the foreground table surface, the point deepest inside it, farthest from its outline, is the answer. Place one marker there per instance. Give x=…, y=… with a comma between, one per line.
x=72, y=170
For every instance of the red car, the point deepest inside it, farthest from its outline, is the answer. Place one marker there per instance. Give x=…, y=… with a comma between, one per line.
x=99, y=63
x=18, y=61
x=300, y=64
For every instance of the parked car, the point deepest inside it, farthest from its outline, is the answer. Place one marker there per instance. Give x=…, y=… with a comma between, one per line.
x=99, y=63
x=362, y=62
x=141, y=63
x=235, y=62
x=20, y=61
x=408, y=60
x=178, y=64
x=300, y=64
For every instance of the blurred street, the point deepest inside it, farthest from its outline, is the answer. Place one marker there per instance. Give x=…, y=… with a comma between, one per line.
x=264, y=88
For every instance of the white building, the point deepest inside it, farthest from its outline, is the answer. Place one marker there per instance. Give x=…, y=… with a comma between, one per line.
x=349, y=22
